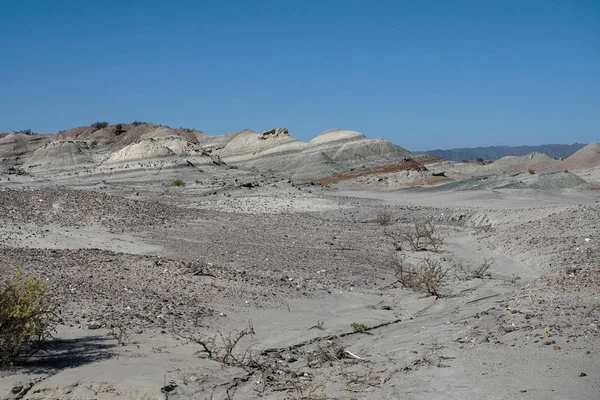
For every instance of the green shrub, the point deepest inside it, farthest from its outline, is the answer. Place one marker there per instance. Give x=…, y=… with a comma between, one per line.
x=119, y=129
x=27, y=317
x=100, y=124
x=177, y=182
x=358, y=327
x=531, y=171
x=136, y=123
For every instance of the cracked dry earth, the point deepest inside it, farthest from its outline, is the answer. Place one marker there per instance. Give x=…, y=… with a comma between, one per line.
x=302, y=275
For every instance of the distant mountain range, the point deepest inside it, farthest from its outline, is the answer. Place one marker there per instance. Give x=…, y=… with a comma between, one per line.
x=497, y=152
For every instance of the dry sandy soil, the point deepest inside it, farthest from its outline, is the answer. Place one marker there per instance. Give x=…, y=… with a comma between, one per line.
x=145, y=272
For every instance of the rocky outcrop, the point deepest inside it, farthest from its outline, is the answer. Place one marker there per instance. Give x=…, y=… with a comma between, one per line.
x=274, y=133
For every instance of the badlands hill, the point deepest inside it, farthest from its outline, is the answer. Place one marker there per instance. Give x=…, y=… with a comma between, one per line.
x=333, y=156
x=585, y=158
x=147, y=146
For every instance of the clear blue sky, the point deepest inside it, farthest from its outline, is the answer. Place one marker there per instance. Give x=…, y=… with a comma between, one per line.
x=422, y=74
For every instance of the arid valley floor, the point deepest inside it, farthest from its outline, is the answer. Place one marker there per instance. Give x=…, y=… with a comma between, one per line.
x=304, y=272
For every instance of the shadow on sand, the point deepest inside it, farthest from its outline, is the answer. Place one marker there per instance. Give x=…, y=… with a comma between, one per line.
x=61, y=354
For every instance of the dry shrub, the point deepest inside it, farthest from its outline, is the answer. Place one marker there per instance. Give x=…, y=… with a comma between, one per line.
x=423, y=237
x=223, y=348
x=27, y=317
x=333, y=350
x=428, y=276
x=121, y=334
x=432, y=356
x=478, y=272
x=384, y=218
x=483, y=269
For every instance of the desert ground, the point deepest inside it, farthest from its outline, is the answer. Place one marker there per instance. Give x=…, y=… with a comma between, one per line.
x=257, y=266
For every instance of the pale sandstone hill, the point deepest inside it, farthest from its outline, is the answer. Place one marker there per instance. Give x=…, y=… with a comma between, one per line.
x=585, y=158
x=331, y=152
x=537, y=162
x=17, y=148
x=66, y=155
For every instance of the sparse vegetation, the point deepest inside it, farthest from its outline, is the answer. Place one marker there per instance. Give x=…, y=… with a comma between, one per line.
x=137, y=123
x=428, y=276
x=177, y=182
x=318, y=325
x=432, y=356
x=480, y=160
x=384, y=218
x=531, y=171
x=100, y=125
x=27, y=317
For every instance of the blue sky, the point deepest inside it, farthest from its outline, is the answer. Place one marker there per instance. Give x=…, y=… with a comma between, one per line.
x=422, y=74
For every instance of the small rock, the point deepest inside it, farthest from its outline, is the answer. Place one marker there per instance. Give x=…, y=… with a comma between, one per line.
x=169, y=388
x=95, y=325
x=581, y=375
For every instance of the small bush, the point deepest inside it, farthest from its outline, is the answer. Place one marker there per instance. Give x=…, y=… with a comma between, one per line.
x=481, y=271
x=357, y=327
x=479, y=160
x=119, y=129
x=423, y=237
x=177, y=182
x=100, y=124
x=26, y=132
x=223, y=348
x=384, y=218
x=333, y=350
x=121, y=334
x=27, y=317
x=531, y=171
x=137, y=123
x=427, y=277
